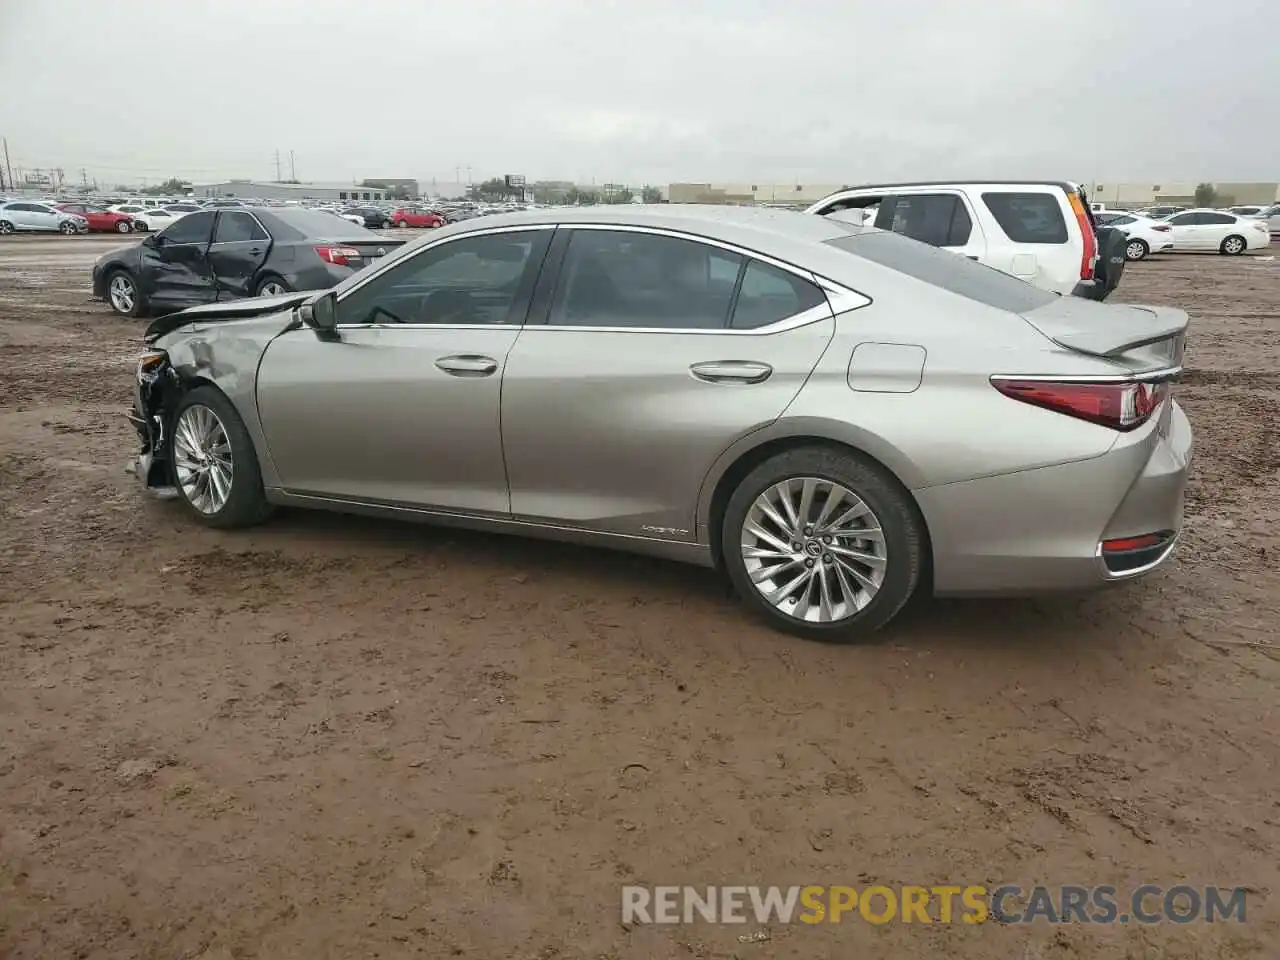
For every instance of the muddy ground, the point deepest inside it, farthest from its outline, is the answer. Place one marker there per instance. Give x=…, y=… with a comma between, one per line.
x=331, y=737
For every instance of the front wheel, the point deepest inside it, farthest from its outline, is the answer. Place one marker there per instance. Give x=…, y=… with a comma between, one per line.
x=404, y=224
x=1136, y=249
x=822, y=543
x=122, y=294
x=124, y=227
x=6, y=228
x=67, y=228
x=214, y=465
x=1233, y=246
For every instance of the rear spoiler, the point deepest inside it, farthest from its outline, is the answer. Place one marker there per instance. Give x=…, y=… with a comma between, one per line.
x=1120, y=330
x=231, y=310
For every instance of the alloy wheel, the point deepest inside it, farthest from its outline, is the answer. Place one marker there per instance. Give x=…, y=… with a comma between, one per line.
x=814, y=549
x=1135, y=250
x=123, y=294
x=202, y=459
x=271, y=289
x=6, y=227
x=1233, y=245
x=67, y=227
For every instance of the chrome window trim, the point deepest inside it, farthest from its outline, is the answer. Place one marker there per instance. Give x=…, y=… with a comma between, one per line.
x=247, y=213
x=840, y=299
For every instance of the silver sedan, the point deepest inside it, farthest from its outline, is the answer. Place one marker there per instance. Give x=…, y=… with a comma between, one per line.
x=834, y=416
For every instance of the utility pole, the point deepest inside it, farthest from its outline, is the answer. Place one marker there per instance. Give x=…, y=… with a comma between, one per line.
x=277, y=166
x=8, y=169
x=293, y=170
x=84, y=178
x=468, y=176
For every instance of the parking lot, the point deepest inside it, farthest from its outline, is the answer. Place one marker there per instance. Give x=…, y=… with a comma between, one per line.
x=339, y=737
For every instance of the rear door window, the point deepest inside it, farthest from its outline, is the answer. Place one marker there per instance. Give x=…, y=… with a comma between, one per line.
x=938, y=219
x=941, y=268
x=620, y=278
x=1216, y=218
x=1028, y=217
x=237, y=227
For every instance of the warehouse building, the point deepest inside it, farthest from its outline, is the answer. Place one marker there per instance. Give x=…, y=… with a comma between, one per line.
x=267, y=190
x=789, y=194
x=1132, y=195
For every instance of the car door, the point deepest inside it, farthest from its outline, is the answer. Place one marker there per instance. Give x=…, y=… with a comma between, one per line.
x=1216, y=227
x=239, y=249
x=403, y=406
x=1185, y=227
x=646, y=356
x=175, y=263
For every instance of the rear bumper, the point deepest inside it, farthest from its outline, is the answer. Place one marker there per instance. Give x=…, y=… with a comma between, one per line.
x=1040, y=531
x=1090, y=290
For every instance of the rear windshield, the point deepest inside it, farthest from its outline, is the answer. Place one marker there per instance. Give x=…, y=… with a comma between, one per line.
x=317, y=225
x=950, y=271
x=1028, y=217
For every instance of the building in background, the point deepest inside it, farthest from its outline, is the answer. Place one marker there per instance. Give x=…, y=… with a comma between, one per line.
x=398, y=188
x=785, y=194
x=260, y=190
x=1181, y=194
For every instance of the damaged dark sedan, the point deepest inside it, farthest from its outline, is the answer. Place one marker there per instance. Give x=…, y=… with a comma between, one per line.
x=219, y=255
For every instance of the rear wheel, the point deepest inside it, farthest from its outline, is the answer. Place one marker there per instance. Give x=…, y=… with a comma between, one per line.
x=272, y=286
x=215, y=467
x=823, y=544
x=1233, y=246
x=1136, y=249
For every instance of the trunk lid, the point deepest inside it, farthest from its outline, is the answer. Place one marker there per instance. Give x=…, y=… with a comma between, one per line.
x=371, y=251
x=1143, y=338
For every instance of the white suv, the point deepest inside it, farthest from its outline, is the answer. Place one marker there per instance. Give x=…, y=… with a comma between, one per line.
x=1040, y=231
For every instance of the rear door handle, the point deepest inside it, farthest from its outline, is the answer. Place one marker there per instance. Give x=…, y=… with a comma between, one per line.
x=468, y=365
x=731, y=371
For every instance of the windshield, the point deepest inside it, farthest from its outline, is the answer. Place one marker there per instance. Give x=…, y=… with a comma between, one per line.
x=942, y=268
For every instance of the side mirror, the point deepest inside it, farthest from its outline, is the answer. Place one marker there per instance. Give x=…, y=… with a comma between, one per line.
x=321, y=315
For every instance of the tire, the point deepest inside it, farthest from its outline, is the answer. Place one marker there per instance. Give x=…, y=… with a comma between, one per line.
x=124, y=304
x=404, y=224
x=271, y=280
x=124, y=226
x=1136, y=249
x=67, y=228
x=1233, y=246
x=6, y=228
x=386, y=225
x=899, y=556
x=244, y=503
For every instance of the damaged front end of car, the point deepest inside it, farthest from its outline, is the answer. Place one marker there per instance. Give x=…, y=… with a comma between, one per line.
x=157, y=390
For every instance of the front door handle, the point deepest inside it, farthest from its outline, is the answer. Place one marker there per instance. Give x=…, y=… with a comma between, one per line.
x=731, y=371
x=468, y=365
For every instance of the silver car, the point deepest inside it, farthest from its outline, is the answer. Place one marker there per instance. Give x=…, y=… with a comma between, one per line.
x=834, y=416
x=30, y=215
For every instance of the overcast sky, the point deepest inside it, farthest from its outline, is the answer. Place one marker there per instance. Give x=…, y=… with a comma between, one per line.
x=644, y=91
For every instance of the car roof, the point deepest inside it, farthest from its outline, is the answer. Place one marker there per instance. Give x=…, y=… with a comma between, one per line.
x=721, y=222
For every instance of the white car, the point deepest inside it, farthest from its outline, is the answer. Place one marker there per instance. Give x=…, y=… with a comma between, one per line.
x=182, y=209
x=1039, y=231
x=148, y=219
x=23, y=215
x=1214, y=230
x=1143, y=235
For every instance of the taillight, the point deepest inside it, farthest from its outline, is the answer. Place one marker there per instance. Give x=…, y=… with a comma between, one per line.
x=341, y=256
x=1121, y=405
x=1090, y=253
x=1161, y=228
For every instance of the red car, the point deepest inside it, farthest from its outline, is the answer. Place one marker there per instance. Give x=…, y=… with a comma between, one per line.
x=405, y=217
x=101, y=220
